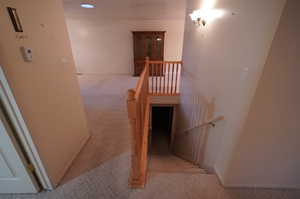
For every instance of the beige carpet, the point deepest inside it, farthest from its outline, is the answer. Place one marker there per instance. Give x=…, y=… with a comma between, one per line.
x=161, y=160
x=104, y=98
x=101, y=169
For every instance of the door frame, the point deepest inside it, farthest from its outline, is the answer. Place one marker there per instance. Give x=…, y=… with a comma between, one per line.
x=22, y=132
x=135, y=60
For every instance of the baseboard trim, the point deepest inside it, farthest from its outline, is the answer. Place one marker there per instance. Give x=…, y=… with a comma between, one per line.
x=220, y=178
x=260, y=186
x=256, y=186
x=68, y=165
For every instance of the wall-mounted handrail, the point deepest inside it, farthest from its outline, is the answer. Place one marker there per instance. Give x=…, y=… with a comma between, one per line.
x=211, y=123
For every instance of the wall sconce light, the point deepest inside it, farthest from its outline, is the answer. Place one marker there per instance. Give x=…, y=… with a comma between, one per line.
x=204, y=16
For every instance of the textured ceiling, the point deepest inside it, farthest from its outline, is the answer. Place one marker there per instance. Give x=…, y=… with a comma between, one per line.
x=129, y=9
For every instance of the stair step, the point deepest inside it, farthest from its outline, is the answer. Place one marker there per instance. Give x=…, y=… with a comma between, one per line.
x=172, y=164
x=199, y=171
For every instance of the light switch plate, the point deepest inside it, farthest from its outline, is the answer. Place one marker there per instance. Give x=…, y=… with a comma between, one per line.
x=27, y=54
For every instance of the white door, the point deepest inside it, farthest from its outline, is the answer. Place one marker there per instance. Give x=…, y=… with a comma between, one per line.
x=14, y=175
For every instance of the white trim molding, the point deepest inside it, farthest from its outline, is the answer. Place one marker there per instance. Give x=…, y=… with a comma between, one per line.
x=251, y=185
x=22, y=131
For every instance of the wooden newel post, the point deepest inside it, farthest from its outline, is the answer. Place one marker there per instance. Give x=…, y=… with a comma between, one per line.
x=138, y=113
x=132, y=114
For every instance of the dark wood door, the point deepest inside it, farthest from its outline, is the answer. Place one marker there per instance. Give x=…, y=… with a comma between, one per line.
x=147, y=44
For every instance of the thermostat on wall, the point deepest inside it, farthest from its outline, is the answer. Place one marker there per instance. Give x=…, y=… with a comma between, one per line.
x=27, y=54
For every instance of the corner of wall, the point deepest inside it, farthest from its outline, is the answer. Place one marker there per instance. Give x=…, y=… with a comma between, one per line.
x=219, y=175
x=61, y=174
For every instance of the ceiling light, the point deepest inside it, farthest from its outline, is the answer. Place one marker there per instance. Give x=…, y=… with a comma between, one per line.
x=87, y=5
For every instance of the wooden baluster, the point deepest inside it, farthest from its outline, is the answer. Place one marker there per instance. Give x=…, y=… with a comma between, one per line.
x=176, y=81
x=152, y=90
x=156, y=78
x=164, y=74
x=172, y=73
x=159, y=69
x=173, y=77
x=169, y=77
x=153, y=66
x=159, y=77
x=152, y=78
x=148, y=79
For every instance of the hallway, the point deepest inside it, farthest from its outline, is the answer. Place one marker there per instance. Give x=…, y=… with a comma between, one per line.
x=101, y=169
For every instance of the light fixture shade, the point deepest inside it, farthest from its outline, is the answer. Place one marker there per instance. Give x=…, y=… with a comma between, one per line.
x=87, y=5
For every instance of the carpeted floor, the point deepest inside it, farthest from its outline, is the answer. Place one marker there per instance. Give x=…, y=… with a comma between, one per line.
x=161, y=160
x=101, y=169
x=104, y=98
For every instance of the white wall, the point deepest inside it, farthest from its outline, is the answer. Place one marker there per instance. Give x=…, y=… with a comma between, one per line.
x=46, y=89
x=224, y=60
x=105, y=46
x=268, y=151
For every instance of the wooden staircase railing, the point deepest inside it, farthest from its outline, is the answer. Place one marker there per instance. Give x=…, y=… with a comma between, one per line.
x=139, y=112
x=164, y=77
x=157, y=78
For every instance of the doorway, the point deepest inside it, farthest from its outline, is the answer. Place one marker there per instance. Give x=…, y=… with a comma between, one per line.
x=162, y=159
x=21, y=169
x=15, y=177
x=147, y=44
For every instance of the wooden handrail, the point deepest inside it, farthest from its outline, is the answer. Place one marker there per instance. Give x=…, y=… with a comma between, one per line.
x=207, y=123
x=138, y=113
x=165, y=76
x=161, y=62
x=143, y=80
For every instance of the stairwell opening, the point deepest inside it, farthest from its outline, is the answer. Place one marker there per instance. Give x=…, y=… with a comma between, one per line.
x=161, y=133
x=161, y=157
